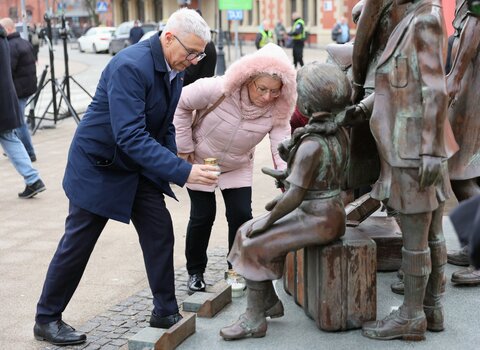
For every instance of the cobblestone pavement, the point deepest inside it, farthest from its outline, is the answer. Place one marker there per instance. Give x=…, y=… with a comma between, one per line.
x=112, y=329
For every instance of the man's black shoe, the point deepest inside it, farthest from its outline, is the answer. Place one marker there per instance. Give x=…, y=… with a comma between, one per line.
x=58, y=333
x=165, y=321
x=31, y=190
x=196, y=283
x=33, y=157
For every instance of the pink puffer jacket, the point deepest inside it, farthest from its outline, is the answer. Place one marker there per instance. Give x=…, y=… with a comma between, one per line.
x=223, y=133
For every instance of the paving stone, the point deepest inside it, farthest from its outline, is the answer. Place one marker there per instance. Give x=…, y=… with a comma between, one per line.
x=111, y=329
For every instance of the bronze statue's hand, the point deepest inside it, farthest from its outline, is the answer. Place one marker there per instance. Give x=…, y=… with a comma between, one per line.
x=277, y=174
x=429, y=170
x=257, y=228
x=283, y=149
x=270, y=205
x=351, y=116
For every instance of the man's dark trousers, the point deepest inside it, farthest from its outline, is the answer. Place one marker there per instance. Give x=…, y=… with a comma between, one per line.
x=298, y=52
x=82, y=229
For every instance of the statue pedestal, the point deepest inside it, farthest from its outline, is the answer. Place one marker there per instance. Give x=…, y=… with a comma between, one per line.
x=386, y=233
x=336, y=283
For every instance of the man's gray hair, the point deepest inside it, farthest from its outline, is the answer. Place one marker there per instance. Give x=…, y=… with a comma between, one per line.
x=186, y=21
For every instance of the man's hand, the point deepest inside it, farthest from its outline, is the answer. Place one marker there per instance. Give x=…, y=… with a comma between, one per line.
x=429, y=170
x=203, y=174
x=189, y=157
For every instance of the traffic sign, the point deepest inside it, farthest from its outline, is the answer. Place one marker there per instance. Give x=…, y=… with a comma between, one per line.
x=102, y=7
x=235, y=4
x=235, y=15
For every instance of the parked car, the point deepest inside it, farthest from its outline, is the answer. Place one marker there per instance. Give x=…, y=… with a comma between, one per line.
x=120, y=37
x=96, y=39
x=147, y=35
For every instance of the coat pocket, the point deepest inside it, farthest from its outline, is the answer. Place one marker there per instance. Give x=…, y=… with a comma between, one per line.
x=399, y=73
x=409, y=139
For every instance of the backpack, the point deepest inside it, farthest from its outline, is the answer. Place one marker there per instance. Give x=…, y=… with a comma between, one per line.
x=335, y=32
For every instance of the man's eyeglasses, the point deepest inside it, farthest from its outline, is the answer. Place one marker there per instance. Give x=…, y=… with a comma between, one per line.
x=263, y=90
x=191, y=55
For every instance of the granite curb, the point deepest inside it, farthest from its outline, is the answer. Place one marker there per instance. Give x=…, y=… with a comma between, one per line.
x=111, y=329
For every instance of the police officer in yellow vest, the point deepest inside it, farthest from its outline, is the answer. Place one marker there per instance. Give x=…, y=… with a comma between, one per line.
x=298, y=37
x=264, y=36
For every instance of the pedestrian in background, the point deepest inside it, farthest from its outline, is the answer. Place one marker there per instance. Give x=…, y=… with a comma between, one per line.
x=264, y=36
x=341, y=31
x=254, y=98
x=136, y=33
x=121, y=161
x=24, y=73
x=280, y=33
x=298, y=39
x=10, y=120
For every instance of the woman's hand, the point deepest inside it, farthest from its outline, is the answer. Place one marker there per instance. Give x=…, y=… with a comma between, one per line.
x=189, y=157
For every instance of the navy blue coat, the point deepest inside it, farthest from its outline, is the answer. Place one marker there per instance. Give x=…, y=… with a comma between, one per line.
x=9, y=112
x=126, y=132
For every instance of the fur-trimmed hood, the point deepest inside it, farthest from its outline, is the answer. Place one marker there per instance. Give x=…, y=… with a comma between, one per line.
x=270, y=59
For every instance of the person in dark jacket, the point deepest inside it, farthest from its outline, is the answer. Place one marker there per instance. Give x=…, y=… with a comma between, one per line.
x=136, y=33
x=204, y=68
x=10, y=120
x=298, y=38
x=122, y=158
x=24, y=73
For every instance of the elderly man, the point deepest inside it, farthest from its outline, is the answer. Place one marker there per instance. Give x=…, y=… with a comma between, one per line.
x=121, y=161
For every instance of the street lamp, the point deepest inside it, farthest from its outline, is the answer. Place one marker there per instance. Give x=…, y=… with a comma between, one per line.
x=220, y=54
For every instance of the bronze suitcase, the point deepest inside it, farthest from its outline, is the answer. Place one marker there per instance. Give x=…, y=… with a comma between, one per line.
x=336, y=284
x=293, y=276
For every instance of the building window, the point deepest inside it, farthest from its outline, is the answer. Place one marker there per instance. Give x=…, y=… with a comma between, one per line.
x=141, y=10
x=158, y=10
x=124, y=10
x=315, y=13
x=305, y=11
x=12, y=13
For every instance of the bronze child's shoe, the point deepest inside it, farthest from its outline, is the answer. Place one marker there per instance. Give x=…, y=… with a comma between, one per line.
x=459, y=257
x=244, y=328
x=468, y=276
x=275, y=311
x=434, y=315
x=395, y=326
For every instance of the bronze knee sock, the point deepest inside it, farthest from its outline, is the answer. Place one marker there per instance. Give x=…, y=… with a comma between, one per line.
x=416, y=266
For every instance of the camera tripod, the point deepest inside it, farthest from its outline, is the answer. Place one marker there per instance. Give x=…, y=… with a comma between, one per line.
x=63, y=89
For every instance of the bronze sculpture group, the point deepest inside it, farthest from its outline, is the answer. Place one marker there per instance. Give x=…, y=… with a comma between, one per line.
x=402, y=93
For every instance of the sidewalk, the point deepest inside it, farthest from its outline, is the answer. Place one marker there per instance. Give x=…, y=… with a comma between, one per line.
x=113, y=300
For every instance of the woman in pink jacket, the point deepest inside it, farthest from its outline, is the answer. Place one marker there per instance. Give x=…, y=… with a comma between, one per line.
x=259, y=94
